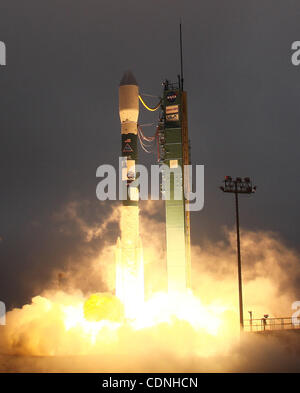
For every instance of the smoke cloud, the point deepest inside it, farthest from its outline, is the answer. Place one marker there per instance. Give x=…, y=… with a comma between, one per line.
x=198, y=332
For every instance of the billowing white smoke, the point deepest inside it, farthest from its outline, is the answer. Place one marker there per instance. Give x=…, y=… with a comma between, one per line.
x=53, y=325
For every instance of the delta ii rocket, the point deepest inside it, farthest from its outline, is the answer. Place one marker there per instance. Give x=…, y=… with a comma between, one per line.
x=129, y=258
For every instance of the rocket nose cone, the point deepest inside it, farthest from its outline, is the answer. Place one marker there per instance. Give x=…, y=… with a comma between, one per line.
x=128, y=79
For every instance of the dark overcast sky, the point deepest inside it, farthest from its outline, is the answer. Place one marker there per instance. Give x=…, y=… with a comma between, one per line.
x=59, y=112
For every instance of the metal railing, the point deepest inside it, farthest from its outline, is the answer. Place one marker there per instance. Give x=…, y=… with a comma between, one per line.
x=271, y=324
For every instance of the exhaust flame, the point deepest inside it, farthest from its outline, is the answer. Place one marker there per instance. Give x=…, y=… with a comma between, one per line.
x=62, y=324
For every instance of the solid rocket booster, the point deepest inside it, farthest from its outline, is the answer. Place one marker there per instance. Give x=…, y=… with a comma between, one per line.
x=129, y=263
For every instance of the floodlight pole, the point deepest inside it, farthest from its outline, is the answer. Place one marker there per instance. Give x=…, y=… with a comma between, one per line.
x=236, y=187
x=239, y=257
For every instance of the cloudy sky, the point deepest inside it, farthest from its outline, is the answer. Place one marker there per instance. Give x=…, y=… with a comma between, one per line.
x=59, y=114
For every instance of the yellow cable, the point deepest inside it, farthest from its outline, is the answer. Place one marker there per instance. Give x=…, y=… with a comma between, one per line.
x=147, y=107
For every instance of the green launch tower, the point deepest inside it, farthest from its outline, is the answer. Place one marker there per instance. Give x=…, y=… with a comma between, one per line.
x=174, y=146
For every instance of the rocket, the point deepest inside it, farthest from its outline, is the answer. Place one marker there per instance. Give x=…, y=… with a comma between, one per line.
x=129, y=256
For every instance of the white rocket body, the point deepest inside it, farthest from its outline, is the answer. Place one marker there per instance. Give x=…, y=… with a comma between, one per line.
x=129, y=258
